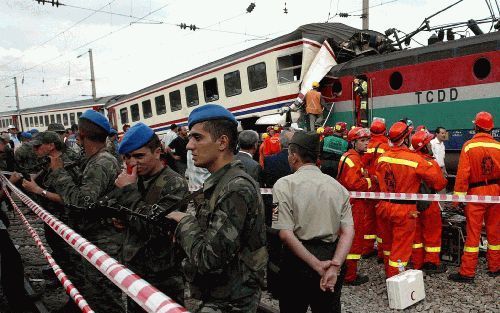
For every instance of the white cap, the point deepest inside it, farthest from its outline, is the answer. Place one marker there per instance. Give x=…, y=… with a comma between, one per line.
x=11, y=126
x=5, y=137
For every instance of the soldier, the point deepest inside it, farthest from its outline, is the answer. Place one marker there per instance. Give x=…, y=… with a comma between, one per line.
x=147, y=251
x=61, y=131
x=316, y=229
x=99, y=170
x=49, y=144
x=26, y=158
x=225, y=242
x=112, y=144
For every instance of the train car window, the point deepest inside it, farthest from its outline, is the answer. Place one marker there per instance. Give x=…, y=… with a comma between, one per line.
x=146, y=109
x=36, y=120
x=65, y=119
x=52, y=119
x=257, y=76
x=46, y=117
x=31, y=121
x=40, y=119
x=175, y=100
x=161, y=107
x=134, y=110
x=2, y=123
x=232, y=83
x=192, y=98
x=210, y=89
x=78, y=114
x=289, y=68
x=72, y=118
x=58, y=118
x=124, y=116
x=26, y=122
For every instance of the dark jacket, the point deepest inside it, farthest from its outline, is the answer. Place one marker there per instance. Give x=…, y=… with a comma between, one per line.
x=275, y=167
x=252, y=167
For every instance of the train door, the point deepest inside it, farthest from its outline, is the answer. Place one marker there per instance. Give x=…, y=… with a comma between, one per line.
x=112, y=118
x=362, y=101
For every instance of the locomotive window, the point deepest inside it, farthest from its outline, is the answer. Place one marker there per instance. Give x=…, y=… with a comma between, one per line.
x=482, y=68
x=72, y=119
x=210, y=89
x=134, y=110
x=257, y=77
x=232, y=83
x=78, y=114
x=124, y=116
x=192, y=98
x=175, y=100
x=289, y=68
x=161, y=107
x=65, y=119
x=46, y=117
x=146, y=109
x=396, y=80
x=26, y=121
x=52, y=119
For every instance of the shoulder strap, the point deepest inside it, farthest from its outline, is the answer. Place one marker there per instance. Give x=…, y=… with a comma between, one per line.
x=342, y=166
x=154, y=192
x=232, y=173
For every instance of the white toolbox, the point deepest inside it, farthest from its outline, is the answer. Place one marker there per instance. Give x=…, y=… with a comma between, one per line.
x=405, y=289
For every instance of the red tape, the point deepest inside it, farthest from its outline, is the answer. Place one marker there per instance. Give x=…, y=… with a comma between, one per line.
x=147, y=296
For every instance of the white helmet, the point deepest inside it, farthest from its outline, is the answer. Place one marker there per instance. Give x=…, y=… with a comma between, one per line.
x=11, y=126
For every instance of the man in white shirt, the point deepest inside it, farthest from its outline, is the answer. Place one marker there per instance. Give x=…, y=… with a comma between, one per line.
x=438, y=149
x=169, y=136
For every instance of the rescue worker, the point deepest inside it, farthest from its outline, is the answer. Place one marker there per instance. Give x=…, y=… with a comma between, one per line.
x=270, y=144
x=316, y=229
x=379, y=144
x=99, y=170
x=401, y=170
x=147, y=250
x=314, y=107
x=478, y=173
x=225, y=242
x=354, y=177
x=333, y=148
x=427, y=243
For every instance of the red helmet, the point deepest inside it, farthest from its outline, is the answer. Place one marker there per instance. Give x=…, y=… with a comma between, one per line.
x=340, y=127
x=399, y=131
x=484, y=120
x=328, y=131
x=420, y=139
x=378, y=127
x=358, y=133
x=421, y=128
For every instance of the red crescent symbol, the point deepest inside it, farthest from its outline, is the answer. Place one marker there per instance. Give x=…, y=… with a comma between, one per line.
x=412, y=295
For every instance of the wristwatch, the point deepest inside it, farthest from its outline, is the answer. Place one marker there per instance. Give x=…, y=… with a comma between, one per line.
x=44, y=193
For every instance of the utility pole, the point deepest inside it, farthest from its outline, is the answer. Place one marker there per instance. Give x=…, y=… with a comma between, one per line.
x=17, y=106
x=364, y=15
x=92, y=77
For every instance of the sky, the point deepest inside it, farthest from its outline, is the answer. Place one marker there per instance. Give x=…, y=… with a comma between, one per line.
x=141, y=43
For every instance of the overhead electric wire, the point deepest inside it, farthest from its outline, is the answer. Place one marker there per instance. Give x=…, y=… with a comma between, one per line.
x=370, y=7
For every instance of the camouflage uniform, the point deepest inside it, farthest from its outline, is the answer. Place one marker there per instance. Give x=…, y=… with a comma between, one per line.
x=226, y=242
x=147, y=250
x=99, y=172
x=26, y=158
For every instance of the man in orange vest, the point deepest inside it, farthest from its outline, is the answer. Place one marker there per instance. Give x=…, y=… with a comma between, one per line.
x=427, y=243
x=314, y=105
x=401, y=170
x=354, y=177
x=479, y=174
x=378, y=145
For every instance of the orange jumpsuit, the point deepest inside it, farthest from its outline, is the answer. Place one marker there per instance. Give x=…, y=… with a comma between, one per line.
x=478, y=173
x=401, y=170
x=378, y=145
x=427, y=242
x=271, y=145
x=352, y=177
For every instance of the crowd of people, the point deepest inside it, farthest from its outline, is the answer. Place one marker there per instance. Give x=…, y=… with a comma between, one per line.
x=213, y=230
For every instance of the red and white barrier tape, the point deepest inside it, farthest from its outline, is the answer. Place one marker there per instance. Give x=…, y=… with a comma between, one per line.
x=147, y=296
x=65, y=281
x=407, y=196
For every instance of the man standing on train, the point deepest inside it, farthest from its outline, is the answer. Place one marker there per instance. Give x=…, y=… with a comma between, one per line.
x=314, y=106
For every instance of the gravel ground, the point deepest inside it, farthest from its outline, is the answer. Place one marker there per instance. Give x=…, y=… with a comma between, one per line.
x=441, y=295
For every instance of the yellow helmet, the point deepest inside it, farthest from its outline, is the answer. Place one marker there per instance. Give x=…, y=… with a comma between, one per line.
x=320, y=130
x=315, y=84
x=264, y=136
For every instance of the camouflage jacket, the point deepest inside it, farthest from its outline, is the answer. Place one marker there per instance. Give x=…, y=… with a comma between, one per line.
x=225, y=242
x=97, y=178
x=145, y=246
x=26, y=158
x=7, y=162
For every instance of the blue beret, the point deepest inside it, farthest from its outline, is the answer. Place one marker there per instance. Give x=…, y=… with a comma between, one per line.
x=209, y=112
x=136, y=137
x=34, y=131
x=26, y=135
x=98, y=119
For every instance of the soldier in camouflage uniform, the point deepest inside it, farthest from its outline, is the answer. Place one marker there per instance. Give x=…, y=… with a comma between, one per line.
x=26, y=158
x=61, y=131
x=99, y=170
x=49, y=144
x=225, y=242
x=147, y=250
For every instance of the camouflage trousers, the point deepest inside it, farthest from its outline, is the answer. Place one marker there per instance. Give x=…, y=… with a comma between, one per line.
x=247, y=304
